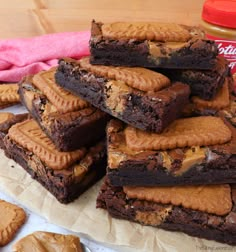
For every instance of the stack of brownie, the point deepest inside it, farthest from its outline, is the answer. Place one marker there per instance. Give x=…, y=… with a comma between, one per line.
x=172, y=154
x=63, y=145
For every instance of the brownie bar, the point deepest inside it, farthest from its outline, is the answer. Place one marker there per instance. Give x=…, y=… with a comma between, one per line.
x=66, y=175
x=6, y=121
x=68, y=130
x=170, y=217
x=199, y=164
x=203, y=83
x=148, y=110
x=134, y=47
x=222, y=100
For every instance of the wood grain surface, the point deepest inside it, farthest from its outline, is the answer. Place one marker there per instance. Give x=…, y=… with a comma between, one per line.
x=26, y=18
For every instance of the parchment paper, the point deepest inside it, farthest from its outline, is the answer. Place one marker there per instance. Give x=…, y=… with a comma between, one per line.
x=82, y=217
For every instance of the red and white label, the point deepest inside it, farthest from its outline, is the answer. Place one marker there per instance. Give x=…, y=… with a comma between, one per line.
x=227, y=48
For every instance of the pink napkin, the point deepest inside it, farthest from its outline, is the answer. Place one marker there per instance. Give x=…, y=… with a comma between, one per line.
x=19, y=57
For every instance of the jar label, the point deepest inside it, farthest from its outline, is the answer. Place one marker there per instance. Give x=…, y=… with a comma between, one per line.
x=227, y=48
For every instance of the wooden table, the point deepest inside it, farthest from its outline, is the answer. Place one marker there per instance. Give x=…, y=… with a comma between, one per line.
x=26, y=18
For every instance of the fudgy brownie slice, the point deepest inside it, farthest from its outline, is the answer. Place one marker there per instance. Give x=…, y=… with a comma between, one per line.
x=8, y=119
x=69, y=121
x=151, y=45
x=189, y=151
x=64, y=174
x=140, y=97
x=203, y=211
x=222, y=100
x=203, y=83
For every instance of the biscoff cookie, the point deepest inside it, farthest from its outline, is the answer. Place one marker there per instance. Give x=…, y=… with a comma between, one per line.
x=194, y=131
x=136, y=77
x=203, y=198
x=63, y=100
x=12, y=218
x=8, y=95
x=40, y=241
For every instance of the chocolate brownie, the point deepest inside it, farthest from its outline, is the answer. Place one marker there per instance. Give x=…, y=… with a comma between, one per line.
x=8, y=119
x=170, y=209
x=151, y=45
x=68, y=121
x=140, y=97
x=224, y=99
x=203, y=83
x=187, y=152
x=64, y=174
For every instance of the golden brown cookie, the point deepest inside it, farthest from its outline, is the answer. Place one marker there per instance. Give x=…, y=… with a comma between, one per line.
x=8, y=95
x=150, y=31
x=63, y=100
x=194, y=131
x=48, y=242
x=12, y=218
x=30, y=136
x=203, y=198
x=135, y=77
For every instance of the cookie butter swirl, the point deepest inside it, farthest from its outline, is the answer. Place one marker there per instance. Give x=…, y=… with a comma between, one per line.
x=30, y=136
x=63, y=100
x=202, y=198
x=135, y=77
x=196, y=131
x=147, y=31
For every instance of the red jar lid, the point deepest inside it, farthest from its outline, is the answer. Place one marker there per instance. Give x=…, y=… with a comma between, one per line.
x=220, y=12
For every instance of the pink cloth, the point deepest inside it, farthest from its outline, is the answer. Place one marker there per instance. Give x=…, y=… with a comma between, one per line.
x=19, y=57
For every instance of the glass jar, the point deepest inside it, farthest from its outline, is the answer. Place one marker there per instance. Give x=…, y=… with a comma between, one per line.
x=219, y=23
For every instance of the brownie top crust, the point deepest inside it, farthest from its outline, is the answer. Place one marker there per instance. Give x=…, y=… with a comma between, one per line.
x=29, y=135
x=63, y=100
x=203, y=198
x=154, y=31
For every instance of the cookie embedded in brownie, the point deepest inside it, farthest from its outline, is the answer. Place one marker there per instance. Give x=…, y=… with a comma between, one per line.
x=8, y=119
x=138, y=96
x=163, y=45
x=64, y=174
x=194, y=210
x=190, y=151
x=69, y=121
